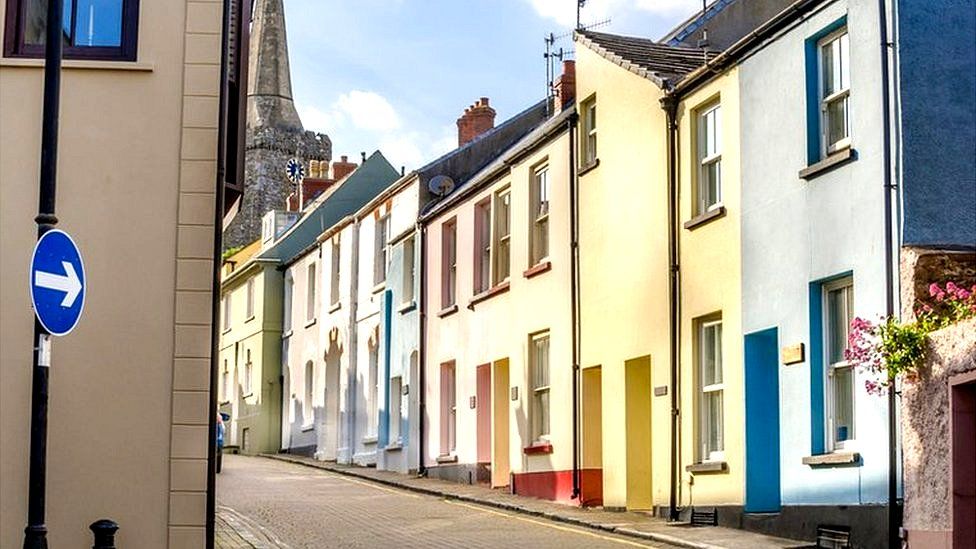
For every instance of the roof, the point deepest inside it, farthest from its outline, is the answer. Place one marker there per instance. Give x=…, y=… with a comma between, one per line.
x=693, y=23
x=500, y=162
x=358, y=188
x=657, y=62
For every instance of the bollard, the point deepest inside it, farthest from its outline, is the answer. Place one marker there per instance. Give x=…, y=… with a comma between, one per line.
x=104, y=531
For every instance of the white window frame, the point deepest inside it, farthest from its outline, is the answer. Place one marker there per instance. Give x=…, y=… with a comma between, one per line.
x=589, y=140
x=308, y=410
x=842, y=57
x=372, y=399
x=541, y=192
x=310, y=297
x=449, y=263
x=704, y=420
x=248, y=373
x=381, y=235
x=540, y=432
x=501, y=268
x=707, y=159
x=409, y=270
x=396, y=409
x=249, y=310
x=335, y=295
x=227, y=312
x=482, y=246
x=832, y=444
x=288, y=305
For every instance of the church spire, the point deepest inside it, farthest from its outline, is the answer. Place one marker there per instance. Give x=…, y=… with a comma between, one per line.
x=269, y=101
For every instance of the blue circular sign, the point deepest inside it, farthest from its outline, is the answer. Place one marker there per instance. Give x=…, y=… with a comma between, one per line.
x=57, y=282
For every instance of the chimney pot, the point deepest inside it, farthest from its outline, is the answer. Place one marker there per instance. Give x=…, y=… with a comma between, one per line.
x=476, y=120
x=344, y=158
x=565, y=86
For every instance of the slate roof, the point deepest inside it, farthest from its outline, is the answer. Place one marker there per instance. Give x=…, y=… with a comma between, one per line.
x=645, y=57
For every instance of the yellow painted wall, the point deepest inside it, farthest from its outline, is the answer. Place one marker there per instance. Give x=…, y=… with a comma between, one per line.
x=624, y=257
x=710, y=284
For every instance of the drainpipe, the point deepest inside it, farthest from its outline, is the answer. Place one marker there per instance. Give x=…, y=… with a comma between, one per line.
x=670, y=105
x=422, y=347
x=891, y=240
x=575, y=299
x=351, y=385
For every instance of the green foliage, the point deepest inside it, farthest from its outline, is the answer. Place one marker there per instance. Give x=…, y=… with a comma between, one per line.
x=230, y=251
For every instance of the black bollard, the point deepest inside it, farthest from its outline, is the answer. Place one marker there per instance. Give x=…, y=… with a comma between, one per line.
x=104, y=531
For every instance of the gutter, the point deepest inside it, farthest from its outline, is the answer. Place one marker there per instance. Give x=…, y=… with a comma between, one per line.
x=575, y=300
x=422, y=348
x=670, y=105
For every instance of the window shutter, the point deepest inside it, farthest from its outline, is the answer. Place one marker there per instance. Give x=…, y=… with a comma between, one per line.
x=234, y=100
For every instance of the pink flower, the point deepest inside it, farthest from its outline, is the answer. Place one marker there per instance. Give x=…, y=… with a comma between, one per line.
x=934, y=289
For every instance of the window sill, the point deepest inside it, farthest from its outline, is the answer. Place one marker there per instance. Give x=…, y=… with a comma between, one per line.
x=36, y=63
x=379, y=287
x=702, y=219
x=834, y=459
x=707, y=467
x=308, y=427
x=489, y=293
x=335, y=306
x=370, y=439
x=538, y=269
x=538, y=448
x=248, y=319
x=395, y=447
x=310, y=323
x=447, y=459
x=583, y=170
x=448, y=311
x=407, y=307
x=835, y=159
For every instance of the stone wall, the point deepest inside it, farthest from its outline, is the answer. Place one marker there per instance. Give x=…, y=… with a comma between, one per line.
x=920, y=267
x=925, y=432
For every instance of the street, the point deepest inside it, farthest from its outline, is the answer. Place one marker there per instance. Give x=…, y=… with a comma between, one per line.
x=281, y=505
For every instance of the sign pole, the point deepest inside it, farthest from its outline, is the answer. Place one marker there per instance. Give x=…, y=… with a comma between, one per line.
x=35, y=534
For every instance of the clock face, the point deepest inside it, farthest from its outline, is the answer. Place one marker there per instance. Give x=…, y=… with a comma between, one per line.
x=295, y=170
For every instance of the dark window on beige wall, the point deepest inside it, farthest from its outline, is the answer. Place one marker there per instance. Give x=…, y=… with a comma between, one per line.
x=482, y=245
x=449, y=263
x=91, y=29
x=409, y=270
x=502, y=233
x=540, y=215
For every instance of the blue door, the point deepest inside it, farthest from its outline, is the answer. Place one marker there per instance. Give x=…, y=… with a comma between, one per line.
x=762, y=422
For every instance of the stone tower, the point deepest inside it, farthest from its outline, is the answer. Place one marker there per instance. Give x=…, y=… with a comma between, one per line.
x=274, y=130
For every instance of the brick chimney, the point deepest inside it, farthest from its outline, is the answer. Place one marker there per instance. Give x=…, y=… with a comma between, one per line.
x=476, y=120
x=565, y=86
x=342, y=168
x=312, y=187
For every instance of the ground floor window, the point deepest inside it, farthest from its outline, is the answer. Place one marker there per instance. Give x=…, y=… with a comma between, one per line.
x=711, y=417
x=448, y=409
x=838, y=313
x=396, y=405
x=539, y=376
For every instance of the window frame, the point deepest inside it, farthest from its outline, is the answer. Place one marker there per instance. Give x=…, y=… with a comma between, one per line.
x=308, y=410
x=588, y=141
x=14, y=45
x=381, y=238
x=704, y=160
x=449, y=263
x=538, y=219
x=409, y=270
x=705, y=426
x=501, y=268
x=396, y=410
x=540, y=433
x=227, y=309
x=336, y=254
x=311, y=300
x=831, y=444
x=288, y=305
x=248, y=372
x=372, y=398
x=843, y=94
x=448, y=412
x=249, y=307
x=483, y=241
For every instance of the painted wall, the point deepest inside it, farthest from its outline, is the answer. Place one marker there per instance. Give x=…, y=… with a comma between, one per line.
x=710, y=288
x=795, y=232
x=258, y=409
x=624, y=258
x=935, y=88
x=140, y=204
x=497, y=331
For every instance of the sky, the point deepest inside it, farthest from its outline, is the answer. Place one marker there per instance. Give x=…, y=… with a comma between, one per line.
x=394, y=75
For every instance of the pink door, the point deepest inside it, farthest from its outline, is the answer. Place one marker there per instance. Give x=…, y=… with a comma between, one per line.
x=483, y=404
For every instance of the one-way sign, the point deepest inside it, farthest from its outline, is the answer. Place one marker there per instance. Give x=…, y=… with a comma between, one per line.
x=57, y=282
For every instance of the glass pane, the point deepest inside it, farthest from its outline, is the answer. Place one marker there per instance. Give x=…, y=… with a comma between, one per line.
x=712, y=435
x=708, y=357
x=503, y=260
x=836, y=120
x=711, y=181
x=838, y=322
x=843, y=404
x=542, y=414
x=99, y=23
x=843, y=60
x=541, y=247
x=827, y=67
x=717, y=130
x=717, y=352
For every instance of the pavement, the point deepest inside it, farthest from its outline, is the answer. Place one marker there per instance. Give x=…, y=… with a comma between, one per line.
x=640, y=529
x=269, y=504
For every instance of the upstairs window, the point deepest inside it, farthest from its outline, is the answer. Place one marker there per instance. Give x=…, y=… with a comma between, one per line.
x=588, y=139
x=381, y=237
x=310, y=295
x=287, y=308
x=482, y=245
x=90, y=29
x=502, y=236
x=409, y=270
x=250, y=299
x=226, y=312
x=540, y=216
x=449, y=264
x=709, y=188
x=336, y=258
x=835, y=91
x=248, y=373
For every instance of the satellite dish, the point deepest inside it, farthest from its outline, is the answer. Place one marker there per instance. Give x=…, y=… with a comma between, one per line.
x=440, y=185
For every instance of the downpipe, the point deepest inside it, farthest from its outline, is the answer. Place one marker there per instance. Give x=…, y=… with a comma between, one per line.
x=575, y=301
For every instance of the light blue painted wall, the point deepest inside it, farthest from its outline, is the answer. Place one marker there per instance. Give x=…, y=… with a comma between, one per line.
x=795, y=232
x=937, y=91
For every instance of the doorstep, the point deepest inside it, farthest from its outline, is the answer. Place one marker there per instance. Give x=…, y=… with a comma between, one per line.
x=631, y=524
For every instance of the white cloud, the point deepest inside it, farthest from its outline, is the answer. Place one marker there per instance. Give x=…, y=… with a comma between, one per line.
x=317, y=120
x=368, y=110
x=564, y=11
x=414, y=149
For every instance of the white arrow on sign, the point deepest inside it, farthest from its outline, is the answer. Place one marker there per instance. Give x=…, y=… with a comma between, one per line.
x=69, y=283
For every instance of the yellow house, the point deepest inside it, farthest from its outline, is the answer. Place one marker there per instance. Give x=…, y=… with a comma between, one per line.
x=249, y=359
x=711, y=376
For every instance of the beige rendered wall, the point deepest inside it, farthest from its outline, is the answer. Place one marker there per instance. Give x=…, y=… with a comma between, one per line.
x=129, y=402
x=624, y=254
x=711, y=288
x=498, y=328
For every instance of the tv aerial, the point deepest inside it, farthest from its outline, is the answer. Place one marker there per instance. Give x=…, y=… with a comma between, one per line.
x=440, y=185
